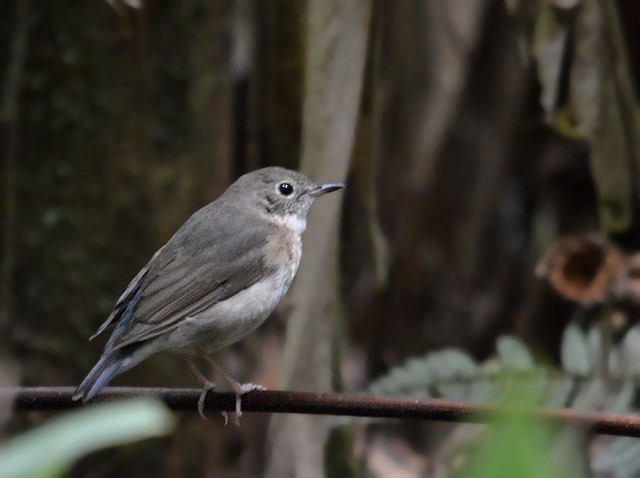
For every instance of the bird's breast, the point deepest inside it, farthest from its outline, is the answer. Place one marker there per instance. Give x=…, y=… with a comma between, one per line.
x=230, y=320
x=283, y=250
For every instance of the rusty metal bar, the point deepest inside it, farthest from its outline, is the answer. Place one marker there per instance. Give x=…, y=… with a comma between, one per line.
x=272, y=401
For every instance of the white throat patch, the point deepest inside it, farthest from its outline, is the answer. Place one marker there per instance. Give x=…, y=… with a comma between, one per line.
x=293, y=222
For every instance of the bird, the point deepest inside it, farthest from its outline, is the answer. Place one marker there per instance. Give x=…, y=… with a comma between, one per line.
x=215, y=280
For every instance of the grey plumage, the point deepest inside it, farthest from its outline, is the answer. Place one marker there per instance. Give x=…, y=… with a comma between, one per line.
x=188, y=299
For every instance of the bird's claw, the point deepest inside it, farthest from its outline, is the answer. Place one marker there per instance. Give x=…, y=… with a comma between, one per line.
x=202, y=400
x=240, y=389
x=206, y=388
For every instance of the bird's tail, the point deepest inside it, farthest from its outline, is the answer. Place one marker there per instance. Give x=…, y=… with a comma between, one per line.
x=109, y=365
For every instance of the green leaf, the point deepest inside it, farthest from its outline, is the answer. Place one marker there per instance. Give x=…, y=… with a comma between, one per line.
x=483, y=390
x=623, y=402
x=513, y=354
x=515, y=446
x=456, y=370
x=491, y=366
x=417, y=369
x=595, y=347
x=416, y=376
x=558, y=392
x=50, y=449
x=631, y=351
x=413, y=377
x=573, y=351
x=620, y=458
x=451, y=363
x=591, y=395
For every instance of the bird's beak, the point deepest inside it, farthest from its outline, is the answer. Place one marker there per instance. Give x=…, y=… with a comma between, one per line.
x=325, y=188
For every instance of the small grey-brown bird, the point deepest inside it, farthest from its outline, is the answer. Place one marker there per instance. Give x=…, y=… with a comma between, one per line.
x=216, y=280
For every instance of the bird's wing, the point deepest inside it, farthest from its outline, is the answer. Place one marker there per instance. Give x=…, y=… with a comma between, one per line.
x=127, y=297
x=203, y=263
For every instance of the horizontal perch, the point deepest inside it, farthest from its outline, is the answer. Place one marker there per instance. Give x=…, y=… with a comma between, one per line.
x=272, y=401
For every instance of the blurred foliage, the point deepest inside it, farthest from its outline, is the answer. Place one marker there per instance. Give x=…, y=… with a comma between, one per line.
x=516, y=446
x=597, y=373
x=51, y=449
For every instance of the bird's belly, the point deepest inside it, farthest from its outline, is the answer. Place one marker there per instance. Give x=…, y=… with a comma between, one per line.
x=228, y=321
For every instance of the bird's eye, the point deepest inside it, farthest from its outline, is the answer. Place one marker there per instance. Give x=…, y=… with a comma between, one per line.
x=285, y=189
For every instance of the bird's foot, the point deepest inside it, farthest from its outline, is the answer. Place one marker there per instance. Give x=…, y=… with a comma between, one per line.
x=202, y=400
x=241, y=389
x=206, y=388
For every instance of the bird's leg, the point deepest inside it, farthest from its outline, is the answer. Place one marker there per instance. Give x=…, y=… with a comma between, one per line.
x=239, y=388
x=207, y=386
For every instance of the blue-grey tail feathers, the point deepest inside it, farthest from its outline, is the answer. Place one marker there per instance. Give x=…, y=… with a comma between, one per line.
x=101, y=374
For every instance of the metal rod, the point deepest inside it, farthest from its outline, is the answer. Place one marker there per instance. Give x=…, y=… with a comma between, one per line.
x=272, y=401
